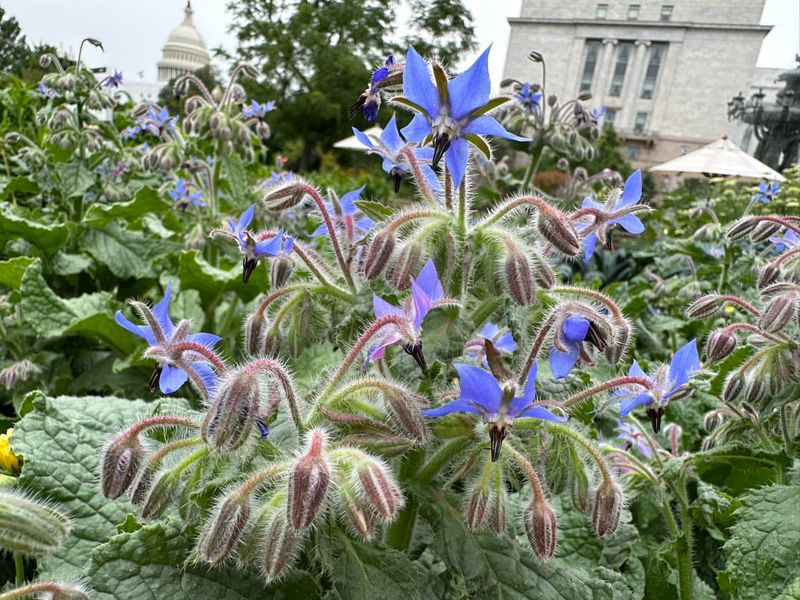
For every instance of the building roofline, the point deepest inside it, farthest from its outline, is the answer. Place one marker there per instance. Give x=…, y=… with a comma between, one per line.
x=652, y=24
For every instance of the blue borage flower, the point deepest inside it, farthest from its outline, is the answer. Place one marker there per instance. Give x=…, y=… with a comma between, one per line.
x=390, y=74
x=667, y=383
x=130, y=132
x=345, y=215
x=183, y=197
x=528, y=99
x=451, y=114
x=113, y=81
x=481, y=394
x=633, y=437
x=47, y=92
x=766, y=192
x=616, y=211
x=789, y=241
x=426, y=293
x=252, y=249
x=156, y=122
x=258, y=111
x=597, y=114
x=390, y=147
x=161, y=334
x=501, y=339
x=567, y=345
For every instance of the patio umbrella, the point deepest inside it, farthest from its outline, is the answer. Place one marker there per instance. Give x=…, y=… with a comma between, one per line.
x=720, y=158
x=352, y=142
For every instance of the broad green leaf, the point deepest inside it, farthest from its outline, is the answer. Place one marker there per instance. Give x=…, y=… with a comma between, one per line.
x=48, y=238
x=12, y=270
x=235, y=176
x=126, y=253
x=764, y=548
x=737, y=468
x=374, y=210
x=75, y=177
x=70, y=264
x=195, y=273
x=145, y=201
x=60, y=442
x=792, y=591
x=11, y=185
x=148, y=564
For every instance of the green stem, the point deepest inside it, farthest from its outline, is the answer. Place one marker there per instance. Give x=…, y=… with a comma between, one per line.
x=400, y=532
x=533, y=165
x=786, y=432
x=442, y=457
x=683, y=548
x=19, y=568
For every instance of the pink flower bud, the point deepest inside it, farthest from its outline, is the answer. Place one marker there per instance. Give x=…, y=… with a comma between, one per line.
x=733, y=388
x=121, y=461
x=281, y=543
x=285, y=196
x=720, y=344
x=768, y=275
x=478, y=508
x=224, y=528
x=518, y=278
x=607, y=508
x=557, y=229
x=705, y=306
x=230, y=418
x=308, y=482
x=404, y=410
x=378, y=253
x=499, y=512
x=780, y=311
x=280, y=271
x=405, y=266
x=253, y=332
x=541, y=527
x=381, y=493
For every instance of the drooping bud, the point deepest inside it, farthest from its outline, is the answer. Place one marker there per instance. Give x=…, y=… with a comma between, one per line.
x=741, y=228
x=541, y=527
x=779, y=312
x=405, y=266
x=281, y=542
x=579, y=484
x=360, y=518
x=284, y=196
x=378, y=253
x=280, y=271
x=769, y=274
x=478, y=508
x=733, y=387
x=607, y=508
x=29, y=527
x=499, y=510
x=763, y=230
x=253, y=332
x=557, y=229
x=673, y=433
x=160, y=495
x=404, y=410
x=308, y=482
x=224, y=528
x=705, y=306
x=121, y=461
x=381, y=493
x=543, y=273
x=756, y=389
x=518, y=277
x=230, y=418
x=720, y=344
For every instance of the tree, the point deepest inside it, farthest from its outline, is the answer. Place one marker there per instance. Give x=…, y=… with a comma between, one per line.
x=166, y=96
x=316, y=57
x=13, y=49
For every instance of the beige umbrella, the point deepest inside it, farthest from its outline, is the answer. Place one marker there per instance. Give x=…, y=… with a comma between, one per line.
x=720, y=158
x=352, y=142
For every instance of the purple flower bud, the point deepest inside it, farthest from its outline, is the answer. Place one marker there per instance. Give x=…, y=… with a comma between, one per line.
x=607, y=508
x=557, y=229
x=499, y=512
x=380, y=491
x=360, y=518
x=705, y=306
x=768, y=275
x=543, y=273
x=308, y=482
x=405, y=266
x=756, y=389
x=780, y=311
x=405, y=411
x=224, y=528
x=121, y=461
x=673, y=433
x=720, y=344
x=230, y=418
x=280, y=271
x=712, y=420
x=378, y=253
x=253, y=332
x=478, y=508
x=541, y=527
x=280, y=547
x=733, y=387
x=518, y=278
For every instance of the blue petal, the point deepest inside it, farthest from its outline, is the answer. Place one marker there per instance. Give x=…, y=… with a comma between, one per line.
x=417, y=129
x=574, y=329
x=391, y=137
x=171, y=379
x=633, y=190
x=417, y=84
x=346, y=201
x=486, y=125
x=209, y=340
x=383, y=309
x=479, y=387
x=363, y=138
x=506, y=343
x=561, y=363
x=588, y=247
x=208, y=375
x=466, y=406
x=425, y=153
x=470, y=90
x=456, y=158
x=422, y=303
x=388, y=165
x=489, y=331
x=428, y=281
x=589, y=202
x=247, y=217
x=161, y=313
x=626, y=406
x=432, y=180
x=683, y=364
x=321, y=230
x=630, y=223
x=636, y=370
x=520, y=403
x=540, y=412
x=271, y=247
x=141, y=330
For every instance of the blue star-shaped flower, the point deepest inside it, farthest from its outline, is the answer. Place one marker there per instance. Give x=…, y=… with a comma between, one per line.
x=253, y=250
x=113, y=81
x=47, y=92
x=481, y=394
x=370, y=101
x=258, y=111
x=156, y=122
x=501, y=339
x=162, y=335
x=390, y=146
x=571, y=335
x=790, y=240
x=453, y=113
x=633, y=438
x=766, y=191
x=348, y=222
x=529, y=100
x=183, y=197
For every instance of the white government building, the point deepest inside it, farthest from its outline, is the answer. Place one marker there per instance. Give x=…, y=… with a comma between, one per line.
x=664, y=70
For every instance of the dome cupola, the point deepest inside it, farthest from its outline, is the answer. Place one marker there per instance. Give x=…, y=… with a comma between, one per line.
x=185, y=50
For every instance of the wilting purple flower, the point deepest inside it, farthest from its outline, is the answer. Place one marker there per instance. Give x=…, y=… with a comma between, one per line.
x=370, y=101
x=348, y=221
x=633, y=438
x=616, y=212
x=789, y=240
x=571, y=335
x=113, y=81
x=183, y=197
x=426, y=290
x=253, y=250
x=47, y=92
x=156, y=122
x=163, y=335
x=390, y=146
x=766, y=191
x=667, y=382
x=453, y=113
x=259, y=111
x=501, y=338
x=529, y=100
x=481, y=394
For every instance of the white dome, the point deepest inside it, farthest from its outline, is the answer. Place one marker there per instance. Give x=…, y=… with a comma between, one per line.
x=185, y=50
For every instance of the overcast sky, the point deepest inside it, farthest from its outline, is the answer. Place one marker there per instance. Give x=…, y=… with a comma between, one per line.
x=134, y=31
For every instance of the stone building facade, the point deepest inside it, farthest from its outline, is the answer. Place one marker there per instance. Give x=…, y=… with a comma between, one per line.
x=185, y=50
x=664, y=70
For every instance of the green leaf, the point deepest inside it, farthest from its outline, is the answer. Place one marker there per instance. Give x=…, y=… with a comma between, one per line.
x=764, y=549
x=148, y=564
x=48, y=238
x=489, y=106
x=195, y=273
x=145, y=201
x=374, y=210
x=737, y=468
x=12, y=270
x=480, y=144
x=70, y=264
x=11, y=185
x=126, y=253
x=76, y=179
x=60, y=442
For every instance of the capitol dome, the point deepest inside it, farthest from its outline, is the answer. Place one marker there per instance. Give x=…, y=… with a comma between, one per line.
x=185, y=50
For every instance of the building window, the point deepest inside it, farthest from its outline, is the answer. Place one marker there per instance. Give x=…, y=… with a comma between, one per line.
x=633, y=11
x=666, y=12
x=640, y=122
x=610, y=117
x=601, y=12
x=657, y=52
x=590, y=64
x=620, y=68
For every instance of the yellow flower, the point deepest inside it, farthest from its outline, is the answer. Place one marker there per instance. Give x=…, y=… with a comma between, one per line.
x=8, y=460
x=729, y=309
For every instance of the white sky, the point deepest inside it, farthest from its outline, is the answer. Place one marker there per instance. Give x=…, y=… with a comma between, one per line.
x=134, y=31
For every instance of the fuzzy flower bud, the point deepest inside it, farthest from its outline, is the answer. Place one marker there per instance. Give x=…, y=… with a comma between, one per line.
x=285, y=196
x=733, y=387
x=756, y=389
x=378, y=253
x=29, y=527
x=404, y=410
x=705, y=306
x=557, y=229
x=768, y=275
x=280, y=547
x=360, y=518
x=230, y=419
x=579, y=485
x=160, y=495
x=763, y=230
x=779, y=312
x=720, y=344
x=519, y=278
x=224, y=528
x=121, y=461
x=379, y=488
x=280, y=271
x=405, y=266
x=741, y=228
x=478, y=508
x=308, y=482
x=607, y=508
x=253, y=331
x=499, y=511
x=541, y=527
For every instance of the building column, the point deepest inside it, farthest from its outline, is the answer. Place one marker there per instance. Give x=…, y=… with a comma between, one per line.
x=605, y=67
x=634, y=80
